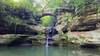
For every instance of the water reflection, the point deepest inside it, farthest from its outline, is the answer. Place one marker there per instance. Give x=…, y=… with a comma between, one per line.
x=88, y=52
x=51, y=51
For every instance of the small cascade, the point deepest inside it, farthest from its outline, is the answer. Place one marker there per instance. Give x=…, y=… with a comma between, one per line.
x=48, y=34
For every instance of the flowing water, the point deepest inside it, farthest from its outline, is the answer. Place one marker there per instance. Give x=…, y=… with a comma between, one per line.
x=52, y=51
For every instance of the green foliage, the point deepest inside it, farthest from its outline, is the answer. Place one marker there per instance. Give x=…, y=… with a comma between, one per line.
x=54, y=3
x=98, y=8
x=44, y=5
x=77, y=3
x=19, y=4
x=45, y=20
x=10, y=10
x=69, y=17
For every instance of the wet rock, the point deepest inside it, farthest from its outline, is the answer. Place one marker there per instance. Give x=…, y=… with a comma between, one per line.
x=65, y=29
x=19, y=40
x=89, y=46
x=51, y=32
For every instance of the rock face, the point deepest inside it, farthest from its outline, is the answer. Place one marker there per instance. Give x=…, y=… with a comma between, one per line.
x=17, y=29
x=89, y=25
x=7, y=38
x=87, y=22
x=84, y=23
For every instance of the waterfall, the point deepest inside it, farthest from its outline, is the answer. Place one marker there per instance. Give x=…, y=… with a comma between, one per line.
x=48, y=35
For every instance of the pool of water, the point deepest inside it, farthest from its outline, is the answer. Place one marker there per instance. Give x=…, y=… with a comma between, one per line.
x=50, y=51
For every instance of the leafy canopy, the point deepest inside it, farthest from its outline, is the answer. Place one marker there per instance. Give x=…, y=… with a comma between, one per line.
x=19, y=4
